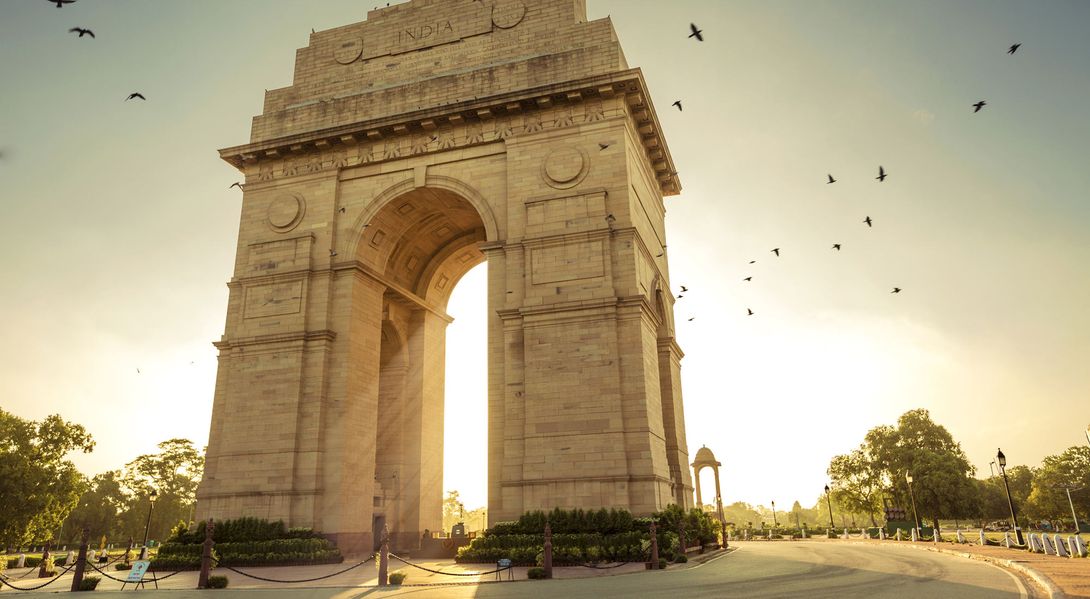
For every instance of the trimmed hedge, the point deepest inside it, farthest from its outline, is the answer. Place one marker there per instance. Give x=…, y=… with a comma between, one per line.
x=242, y=530
x=251, y=553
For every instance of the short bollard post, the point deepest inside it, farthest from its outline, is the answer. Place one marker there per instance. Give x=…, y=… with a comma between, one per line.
x=547, y=552
x=46, y=567
x=81, y=562
x=654, y=547
x=22, y=561
x=384, y=558
x=206, y=556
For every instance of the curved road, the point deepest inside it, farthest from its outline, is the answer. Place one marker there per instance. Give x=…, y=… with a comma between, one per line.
x=810, y=569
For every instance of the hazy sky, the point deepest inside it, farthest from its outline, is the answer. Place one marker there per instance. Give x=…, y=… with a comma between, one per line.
x=120, y=229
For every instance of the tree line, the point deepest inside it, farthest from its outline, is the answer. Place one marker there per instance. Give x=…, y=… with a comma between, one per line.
x=867, y=479
x=46, y=498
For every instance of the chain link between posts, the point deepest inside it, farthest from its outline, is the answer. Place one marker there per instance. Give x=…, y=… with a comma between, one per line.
x=262, y=578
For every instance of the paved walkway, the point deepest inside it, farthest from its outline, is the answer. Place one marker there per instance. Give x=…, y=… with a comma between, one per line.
x=763, y=570
x=1071, y=576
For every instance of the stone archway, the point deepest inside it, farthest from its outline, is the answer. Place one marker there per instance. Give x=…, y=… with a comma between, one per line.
x=510, y=131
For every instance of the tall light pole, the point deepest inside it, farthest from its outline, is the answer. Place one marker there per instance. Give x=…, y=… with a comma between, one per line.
x=1002, y=459
x=774, y=522
x=912, y=494
x=829, y=503
x=151, y=504
x=722, y=520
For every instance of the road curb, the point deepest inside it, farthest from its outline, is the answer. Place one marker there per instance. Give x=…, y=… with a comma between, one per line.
x=1054, y=592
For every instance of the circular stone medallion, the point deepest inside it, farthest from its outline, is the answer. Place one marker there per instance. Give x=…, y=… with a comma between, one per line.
x=564, y=167
x=508, y=13
x=285, y=212
x=348, y=51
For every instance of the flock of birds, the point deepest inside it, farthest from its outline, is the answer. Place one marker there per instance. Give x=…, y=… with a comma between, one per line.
x=82, y=31
x=698, y=34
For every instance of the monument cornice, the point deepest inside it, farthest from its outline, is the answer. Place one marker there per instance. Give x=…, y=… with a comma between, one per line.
x=228, y=343
x=423, y=128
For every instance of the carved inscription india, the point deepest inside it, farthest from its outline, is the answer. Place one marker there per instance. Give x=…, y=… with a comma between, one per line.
x=423, y=32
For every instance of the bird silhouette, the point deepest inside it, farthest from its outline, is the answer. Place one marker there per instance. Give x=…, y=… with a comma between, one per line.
x=610, y=219
x=748, y=279
x=660, y=255
x=680, y=296
x=979, y=105
x=776, y=251
x=341, y=210
x=332, y=253
x=602, y=146
x=831, y=180
x=698, y=34
x=678, y=104
x=684, y=289
x=752, y=261
x=881, y=174
x=137, y=371
x=836, y=246
x=135, y=95
x=236, y=184
x=61, y=3
x=750, y=312
x=896, y=290
x=81, y=31
x=868, y=221
x=1014, y=48
x=691, y=319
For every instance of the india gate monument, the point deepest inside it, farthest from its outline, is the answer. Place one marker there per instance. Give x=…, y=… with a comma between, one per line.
x=411, y=147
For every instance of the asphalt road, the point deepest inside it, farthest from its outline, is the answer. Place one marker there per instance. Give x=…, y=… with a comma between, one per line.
x=758, y=569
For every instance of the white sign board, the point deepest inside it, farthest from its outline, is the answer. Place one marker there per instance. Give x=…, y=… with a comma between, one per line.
x=139, y=568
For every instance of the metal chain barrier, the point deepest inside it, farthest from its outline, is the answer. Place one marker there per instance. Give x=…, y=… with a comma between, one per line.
x=255, y=577
x=404, y=561
x=154, y=576
x=34, y=588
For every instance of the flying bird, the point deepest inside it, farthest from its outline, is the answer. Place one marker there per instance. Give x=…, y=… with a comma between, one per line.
x=698, y=34
x=750, y=312
x=776, y=251
x=678, y=104
x=236, y=184
x=896, y=290
x=135, y=95
x=691, y=319
x=836, y=246
x=684, y=289
x=1014, y=48
x=881, y=174
x=81, y=31
x=137, y=371
x=660, y=255
x=868, y=221
x=831, y=180
x=61, y=3
x=341, y=210
x=602, y=146
x=979, y=105
x=680, y=296
x=748, y=279
x=752, y=261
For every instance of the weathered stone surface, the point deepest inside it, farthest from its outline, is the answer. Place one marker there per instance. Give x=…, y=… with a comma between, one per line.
x=411, y=147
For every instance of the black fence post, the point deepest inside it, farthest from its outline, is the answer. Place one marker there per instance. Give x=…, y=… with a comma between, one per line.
x=81, y=562
x=206, y=556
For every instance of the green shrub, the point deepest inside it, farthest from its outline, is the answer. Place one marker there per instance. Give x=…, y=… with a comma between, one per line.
x=89, y=583
x=217, y=582
x=398, y=577
x=681, y=559
x=314, y=550
x=122, y=566
x=536, y=573
x=663, y=563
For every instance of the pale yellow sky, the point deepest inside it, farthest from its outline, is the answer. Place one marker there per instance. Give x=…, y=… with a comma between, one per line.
x=120, y=227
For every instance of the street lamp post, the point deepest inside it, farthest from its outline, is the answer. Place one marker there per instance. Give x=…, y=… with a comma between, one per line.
x=774, y=522
x=147, y=526
x=829, y=503
x=912, y=494
x=1002, y=459
x=722, y=521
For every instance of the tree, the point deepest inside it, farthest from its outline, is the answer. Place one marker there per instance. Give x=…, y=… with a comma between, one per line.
x=99, y=509
x=942, y=474
x=38, y=487
x=1048, y=498
x=173, y=473
x=453, y=510
x=857, y=482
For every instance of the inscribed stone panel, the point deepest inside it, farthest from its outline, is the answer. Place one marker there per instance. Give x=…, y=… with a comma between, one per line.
x=569, y=262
